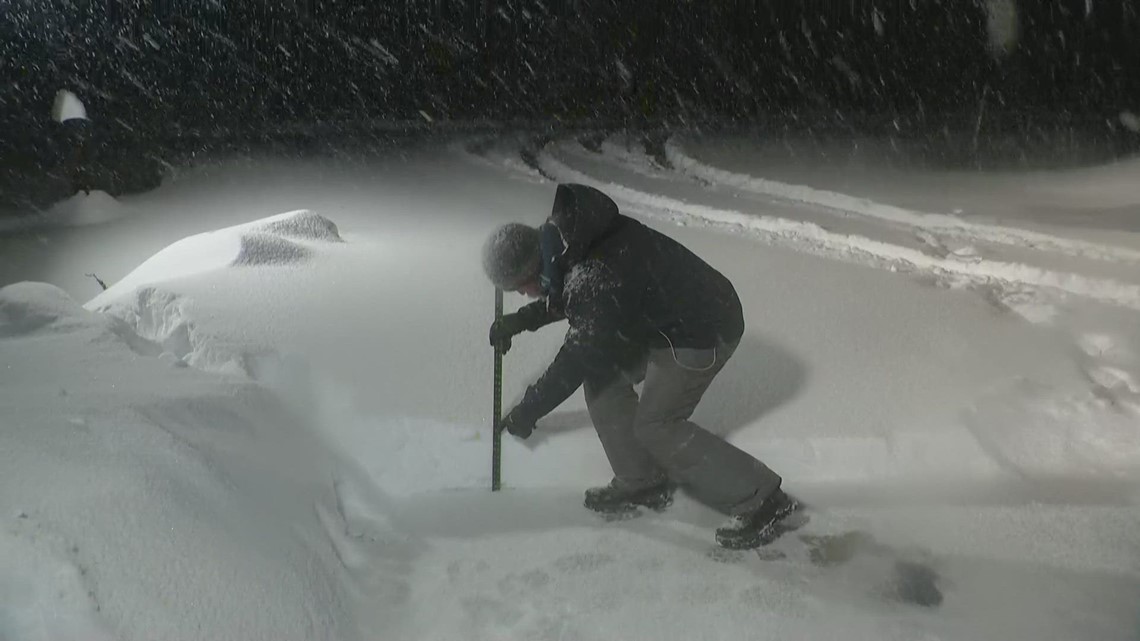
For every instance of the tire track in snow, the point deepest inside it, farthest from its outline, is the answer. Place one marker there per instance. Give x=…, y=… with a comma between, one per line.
x=486, y=151
x=812, y=237
x=620, y=150
x=940, y=223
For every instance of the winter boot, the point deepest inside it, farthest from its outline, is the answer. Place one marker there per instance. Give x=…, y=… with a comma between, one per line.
x=760, y=527
x=613, y=499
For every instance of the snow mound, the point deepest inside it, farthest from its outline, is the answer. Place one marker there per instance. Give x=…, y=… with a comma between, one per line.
x=93, y=208
x=141, y=502
x=81, y=209
x=301, y=224
x=153, y=323
x=29, y=307
x=282, y=240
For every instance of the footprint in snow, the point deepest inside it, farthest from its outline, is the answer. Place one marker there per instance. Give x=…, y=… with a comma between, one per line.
x=524, y=583
x=583, y=562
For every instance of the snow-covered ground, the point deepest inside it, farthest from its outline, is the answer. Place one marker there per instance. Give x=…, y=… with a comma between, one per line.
x=275, y=424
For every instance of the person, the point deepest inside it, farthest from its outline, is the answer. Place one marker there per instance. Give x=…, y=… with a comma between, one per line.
x=640, y=308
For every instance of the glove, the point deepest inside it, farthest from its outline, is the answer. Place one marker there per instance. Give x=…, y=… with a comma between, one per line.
x=505, y=328
x=518, y=425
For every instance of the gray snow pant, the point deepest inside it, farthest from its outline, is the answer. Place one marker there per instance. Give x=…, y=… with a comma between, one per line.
x=649, y=439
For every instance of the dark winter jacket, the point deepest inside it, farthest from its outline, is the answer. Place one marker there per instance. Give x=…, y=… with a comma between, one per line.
x=627, y=289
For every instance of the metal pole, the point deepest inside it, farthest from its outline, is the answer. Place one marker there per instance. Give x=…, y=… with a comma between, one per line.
x=496, y=434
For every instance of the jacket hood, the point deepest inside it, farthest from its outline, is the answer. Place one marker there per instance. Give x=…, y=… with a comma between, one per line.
x=581, y=214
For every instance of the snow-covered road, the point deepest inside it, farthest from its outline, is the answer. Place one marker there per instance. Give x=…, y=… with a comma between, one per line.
x=964, y=388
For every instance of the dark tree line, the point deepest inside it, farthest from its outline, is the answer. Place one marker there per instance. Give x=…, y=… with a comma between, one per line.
x=173, y=74
x=196, y=64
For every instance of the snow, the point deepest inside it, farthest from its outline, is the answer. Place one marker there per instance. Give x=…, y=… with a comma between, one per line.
x=1002, y=25
x=962, y=262
x=67, y=106
x=278, y=240
x=88, y=208
x=1130, y=120
x=877, y=21
x=138, y=501
x=623, y=71
x=28, y=307
x=83, y=208
x=928, y=222
x=275, y=425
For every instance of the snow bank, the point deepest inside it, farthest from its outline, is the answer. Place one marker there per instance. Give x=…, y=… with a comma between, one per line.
x=141, y=502
x=282, y=240
x=150, y=303
x=92, y=208
x=163, y=319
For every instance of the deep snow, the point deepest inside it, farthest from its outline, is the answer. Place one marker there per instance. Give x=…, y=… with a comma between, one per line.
x=964, y=389
x=144, y=501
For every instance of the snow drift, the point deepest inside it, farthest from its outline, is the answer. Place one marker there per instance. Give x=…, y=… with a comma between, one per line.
x=139, y=501
x=282, y=240
x=144, y=301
